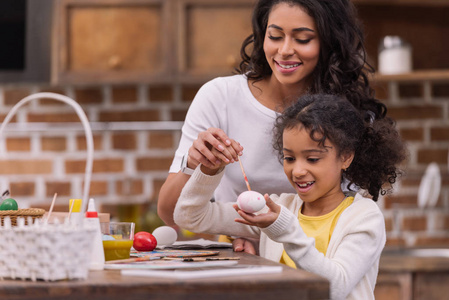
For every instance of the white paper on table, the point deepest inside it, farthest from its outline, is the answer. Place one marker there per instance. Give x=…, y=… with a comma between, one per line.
x=169, y=265
x=238, y=270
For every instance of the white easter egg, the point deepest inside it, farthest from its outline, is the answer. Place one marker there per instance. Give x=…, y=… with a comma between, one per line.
x=251, y=201
x=165, y=235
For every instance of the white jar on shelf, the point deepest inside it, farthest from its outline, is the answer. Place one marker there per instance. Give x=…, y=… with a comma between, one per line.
x=395, y=56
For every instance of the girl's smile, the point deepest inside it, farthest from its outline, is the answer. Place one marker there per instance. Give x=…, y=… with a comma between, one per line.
x=305, y=185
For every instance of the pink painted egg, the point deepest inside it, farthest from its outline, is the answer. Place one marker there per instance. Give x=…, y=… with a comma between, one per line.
x=251, y=201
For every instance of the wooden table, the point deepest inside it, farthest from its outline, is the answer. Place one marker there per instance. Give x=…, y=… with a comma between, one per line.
x=110, y=285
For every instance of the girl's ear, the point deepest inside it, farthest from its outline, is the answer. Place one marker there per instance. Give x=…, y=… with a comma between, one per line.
x=347, y=160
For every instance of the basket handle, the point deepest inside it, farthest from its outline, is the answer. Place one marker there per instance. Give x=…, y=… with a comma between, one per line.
x=87, y=131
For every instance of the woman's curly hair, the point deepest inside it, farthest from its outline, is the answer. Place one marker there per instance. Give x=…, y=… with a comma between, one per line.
x=342, y=67
x=376, y=144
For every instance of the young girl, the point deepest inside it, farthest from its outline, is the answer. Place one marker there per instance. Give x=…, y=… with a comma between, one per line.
x=321, y=139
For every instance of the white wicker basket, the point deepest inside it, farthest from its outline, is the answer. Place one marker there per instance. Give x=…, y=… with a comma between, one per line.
x=48, y=251
x=43, y=251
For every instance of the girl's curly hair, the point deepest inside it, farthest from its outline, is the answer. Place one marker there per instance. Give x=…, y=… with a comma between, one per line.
x=376, y=144
x=342, y=67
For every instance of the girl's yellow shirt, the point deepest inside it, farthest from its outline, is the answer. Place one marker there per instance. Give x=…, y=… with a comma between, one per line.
x=320, y=228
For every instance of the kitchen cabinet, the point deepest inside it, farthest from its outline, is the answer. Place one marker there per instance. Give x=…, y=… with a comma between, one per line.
x=397, y=286
x=192, y=41
x=210, y=34
x=116, y=41
x=412, y=285
x=407, y=274
x=112, y=41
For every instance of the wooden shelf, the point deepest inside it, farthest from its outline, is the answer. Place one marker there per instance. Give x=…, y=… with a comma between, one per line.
x=418, y=75
x=426, y=3
x=162, y=41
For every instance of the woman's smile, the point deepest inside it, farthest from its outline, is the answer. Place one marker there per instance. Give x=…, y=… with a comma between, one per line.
x=287, y=66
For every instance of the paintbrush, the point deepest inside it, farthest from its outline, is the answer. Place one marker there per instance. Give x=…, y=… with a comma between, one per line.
x=132, y=259
x=244, y=175
x=200, y=258
x=51, y=208
x=71, y=208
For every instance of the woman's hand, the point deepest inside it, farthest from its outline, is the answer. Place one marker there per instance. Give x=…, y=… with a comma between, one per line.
x=202, y=148
x=221, y=162
x=260, y=220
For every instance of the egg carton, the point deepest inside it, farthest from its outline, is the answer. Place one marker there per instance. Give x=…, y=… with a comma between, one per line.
x=42, y=251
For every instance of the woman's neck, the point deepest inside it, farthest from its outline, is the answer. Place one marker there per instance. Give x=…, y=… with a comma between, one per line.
x=274, y=95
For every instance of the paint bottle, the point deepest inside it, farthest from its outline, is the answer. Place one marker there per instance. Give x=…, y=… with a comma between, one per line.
x=76, y=217
x=92, y=220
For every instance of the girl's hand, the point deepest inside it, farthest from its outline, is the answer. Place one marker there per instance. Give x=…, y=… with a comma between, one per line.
x=227, y=150
x=244, y=245
x=260, y=220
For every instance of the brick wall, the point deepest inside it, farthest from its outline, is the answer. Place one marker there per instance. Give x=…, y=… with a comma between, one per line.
x=130, y=166
x=421, y=109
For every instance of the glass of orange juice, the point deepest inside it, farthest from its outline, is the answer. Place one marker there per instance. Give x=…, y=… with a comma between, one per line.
x=117, y=239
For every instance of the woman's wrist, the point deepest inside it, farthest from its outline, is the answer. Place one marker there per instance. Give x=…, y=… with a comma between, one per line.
x=184, y=165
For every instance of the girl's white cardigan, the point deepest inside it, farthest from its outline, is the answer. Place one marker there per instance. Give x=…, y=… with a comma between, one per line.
x=352, y=259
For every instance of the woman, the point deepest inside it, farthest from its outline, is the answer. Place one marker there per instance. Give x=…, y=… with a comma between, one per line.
x=297, y=47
